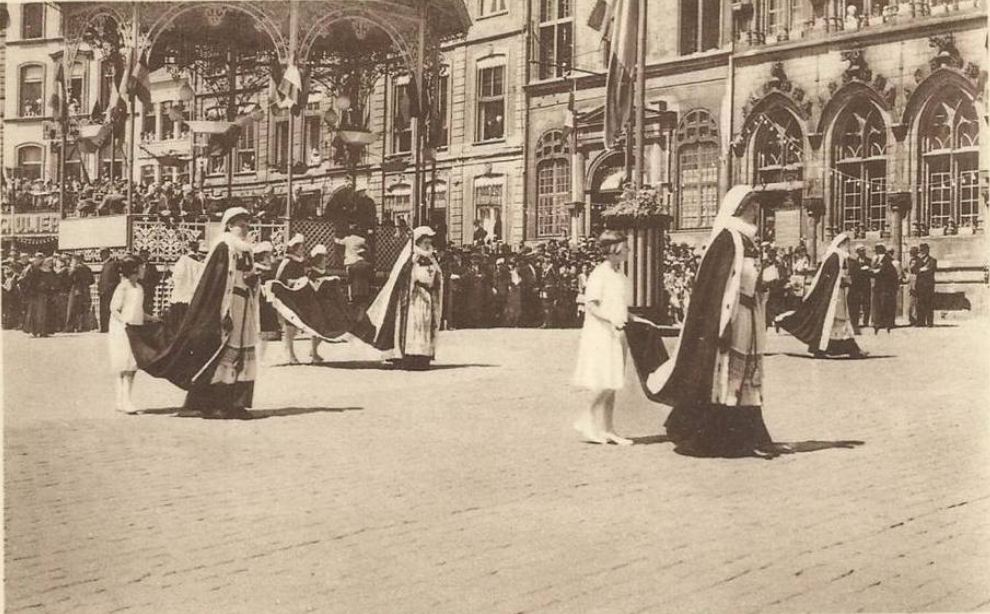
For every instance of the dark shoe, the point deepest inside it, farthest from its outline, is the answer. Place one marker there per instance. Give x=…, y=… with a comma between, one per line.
x=189, y=413
x=212, y=415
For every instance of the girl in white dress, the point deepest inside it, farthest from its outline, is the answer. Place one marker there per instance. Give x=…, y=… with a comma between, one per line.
x=126, y=307
x=601, y=363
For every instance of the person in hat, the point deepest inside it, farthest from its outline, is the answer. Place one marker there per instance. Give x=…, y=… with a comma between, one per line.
x=270, y=329
x=149, y=279
x=212, y=354
x=885, y=284
x=924, y=270
x=714, y=381
x=292, y=268
x=859, y=289
x=404, y=319
x=822, y=320
x=316, y=271
x=80, y=303
x=36, y=284
x=601, y=357
x=185, y=276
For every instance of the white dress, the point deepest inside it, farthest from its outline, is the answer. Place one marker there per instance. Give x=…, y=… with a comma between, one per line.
x=126, y=307
x=601, y=362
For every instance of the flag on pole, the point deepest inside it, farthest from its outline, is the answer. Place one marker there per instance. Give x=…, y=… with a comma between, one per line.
x=602, y=20
x=290, y=88
x=136, y=80
x=620, y=84
x=57, y=99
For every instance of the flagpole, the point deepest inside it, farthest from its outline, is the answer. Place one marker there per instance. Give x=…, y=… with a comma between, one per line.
x=63, y=115
x=640, y=96
x=135, y=59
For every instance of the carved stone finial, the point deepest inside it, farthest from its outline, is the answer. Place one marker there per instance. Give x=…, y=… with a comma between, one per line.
x=946, y=54
x=856, y=67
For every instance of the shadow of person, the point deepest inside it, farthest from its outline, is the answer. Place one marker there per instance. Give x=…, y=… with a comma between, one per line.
x=799, y=447
x=257, y=414
x=649, y=440
x=850, y=358
x=375, y=365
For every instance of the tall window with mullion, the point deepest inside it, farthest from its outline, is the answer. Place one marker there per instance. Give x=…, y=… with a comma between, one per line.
x=700, y=23
x=556, y=38
x=949, y=162
x=553, y=179
x=246, y=152
x=32, y=20
x=401, y=119
x=697, y=164
x=491, y=103
x=859, y=156
x=31, y=93
x=487, y=8
x=779, y=148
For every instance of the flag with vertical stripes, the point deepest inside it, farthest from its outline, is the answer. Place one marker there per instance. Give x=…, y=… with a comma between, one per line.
x=136, y=80
x=290, y=88
x=619, y=83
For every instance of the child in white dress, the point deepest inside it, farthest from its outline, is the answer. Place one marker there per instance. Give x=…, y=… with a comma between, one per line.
x=126, y=307
x=601, y=362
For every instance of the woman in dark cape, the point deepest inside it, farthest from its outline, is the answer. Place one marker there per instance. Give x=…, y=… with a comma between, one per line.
x=714, y=382
x=822, y=320
x=212, y=353
x=404, y=319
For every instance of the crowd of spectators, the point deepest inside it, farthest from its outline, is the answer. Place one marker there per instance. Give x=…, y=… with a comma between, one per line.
x=43, y=295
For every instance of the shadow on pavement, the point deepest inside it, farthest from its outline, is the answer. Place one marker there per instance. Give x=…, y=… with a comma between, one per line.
x=798, y=447
x=376, y=365
x=868, y=357
x=258, y=414
x=649, y=439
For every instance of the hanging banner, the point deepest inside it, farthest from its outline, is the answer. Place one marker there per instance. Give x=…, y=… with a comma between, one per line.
x=18, y=224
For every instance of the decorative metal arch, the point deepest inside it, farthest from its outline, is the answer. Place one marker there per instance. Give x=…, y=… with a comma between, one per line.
x=404, y=38
x=78, y=17
x=159, y=17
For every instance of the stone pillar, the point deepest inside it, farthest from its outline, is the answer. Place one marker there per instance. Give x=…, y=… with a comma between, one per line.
x=815, y=206
x=655, y=175
x=900, y=205
x=577, y=206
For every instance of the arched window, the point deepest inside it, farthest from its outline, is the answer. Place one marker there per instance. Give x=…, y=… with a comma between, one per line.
x=949, y=162
x=553, y=185
x=859, y=158
x=697, y=164
x=779, y=148
x=31, y=91
x=29, y=162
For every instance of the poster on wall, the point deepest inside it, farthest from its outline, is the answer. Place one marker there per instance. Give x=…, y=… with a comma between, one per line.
x=787, y=224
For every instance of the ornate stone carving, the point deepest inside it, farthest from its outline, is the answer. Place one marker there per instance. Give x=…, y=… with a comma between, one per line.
x=856, y=67
x=946, y=52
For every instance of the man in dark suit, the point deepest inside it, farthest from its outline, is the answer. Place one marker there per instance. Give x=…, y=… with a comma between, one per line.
x=150, y=280
x=109, y=278
x=859, y=289
x=924, y=270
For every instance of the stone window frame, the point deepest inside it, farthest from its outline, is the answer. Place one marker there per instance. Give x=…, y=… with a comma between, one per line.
x=697, y=136
x=859, y=161
x=552, y=154
x=957, y=160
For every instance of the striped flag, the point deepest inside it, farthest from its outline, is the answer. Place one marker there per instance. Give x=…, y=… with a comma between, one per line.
x=290, y=88
x=57, y=100
x=619, y=84
x=137, y=76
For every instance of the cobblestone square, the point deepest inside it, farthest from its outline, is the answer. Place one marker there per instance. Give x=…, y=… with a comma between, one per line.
x=464, y=489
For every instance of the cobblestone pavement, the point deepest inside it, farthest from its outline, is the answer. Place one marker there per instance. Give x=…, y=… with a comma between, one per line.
x=465, y=490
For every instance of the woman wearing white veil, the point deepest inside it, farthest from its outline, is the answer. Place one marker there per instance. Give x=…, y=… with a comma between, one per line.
x=404, y=319
x=714, y=381
x=822, y=319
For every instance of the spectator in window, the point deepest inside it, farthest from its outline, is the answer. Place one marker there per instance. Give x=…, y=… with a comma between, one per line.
x=480, y=234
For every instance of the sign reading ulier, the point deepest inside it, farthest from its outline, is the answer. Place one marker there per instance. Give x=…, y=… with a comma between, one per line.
x=29, y=224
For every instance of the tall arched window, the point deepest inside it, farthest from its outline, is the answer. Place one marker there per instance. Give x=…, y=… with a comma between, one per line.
x=29, y=162
x=553, y=184
x=859, y=168
x=697, y=167
x=950, y=161
x=779, y=148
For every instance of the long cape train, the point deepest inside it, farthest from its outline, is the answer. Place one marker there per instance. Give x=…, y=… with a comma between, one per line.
x=811, y=322
x=317, y=307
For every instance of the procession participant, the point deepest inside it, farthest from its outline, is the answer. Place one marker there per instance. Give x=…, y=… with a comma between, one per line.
x=885, y=284
x=80, y=303
x=267, y=316
x=714, y=382
x=212, y=355
x=314, y=304
x=859, y=290
x=149, y=279
x=185, y=276
x=126, y=309
x=404, y=319
x=292, y=268
x=601, y=360
x=37, y=284
x=10, y=303
x=109, y=277
x=822, y=320
x=59, y=309
x=925, y=269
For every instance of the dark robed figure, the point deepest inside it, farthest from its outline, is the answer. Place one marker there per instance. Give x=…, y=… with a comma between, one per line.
x=822, y=320
x=212, y=353
x=714, y=382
